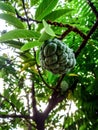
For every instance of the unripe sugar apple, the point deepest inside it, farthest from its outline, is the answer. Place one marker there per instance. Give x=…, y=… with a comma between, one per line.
x=56, y=56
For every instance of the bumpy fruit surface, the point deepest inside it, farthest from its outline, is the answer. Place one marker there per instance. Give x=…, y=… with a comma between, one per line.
x=56, y=56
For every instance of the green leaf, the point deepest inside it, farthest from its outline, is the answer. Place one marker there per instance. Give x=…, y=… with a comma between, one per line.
x=33, y=2
x=44, y=36
x=30, y=45
x=19, y=33
x=6, y=93
x=48, y=29
x=2, y=72
x=51, y=77
x=3, y=113
x=45, y=8
x=7, y=7
x=48, y=32
x=12, y=20
x=14, y=44
x=13, y=99
x=37, y=56
x=57, y=14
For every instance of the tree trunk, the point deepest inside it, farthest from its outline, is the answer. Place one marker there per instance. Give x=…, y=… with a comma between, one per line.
x=40, y=121
x=40, y=125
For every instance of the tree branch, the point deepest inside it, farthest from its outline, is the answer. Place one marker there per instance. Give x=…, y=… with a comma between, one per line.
x=51, y=104
x=28, y=102
x=37, y=116
x=59, y=81
x=57, y=98
x=26, y=117
x=93, y=8
x=26, y=15
x=65, y=33
x=5, y=99
x=53, y=101
x=25, y=19
x=47, y=85
x=94, y=27
x=16, y=116
x=33, y=100
x=71, y=28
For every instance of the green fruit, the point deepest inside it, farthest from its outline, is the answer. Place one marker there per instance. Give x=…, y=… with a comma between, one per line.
x=56, y=56
x=64, y=86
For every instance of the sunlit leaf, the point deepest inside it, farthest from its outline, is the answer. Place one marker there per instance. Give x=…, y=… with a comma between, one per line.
x=51, y=77
x=7, y=7
x=28, y=64
x=12, y=20
x=48, y=29
x=45, y=8
x=57, y=14
x=47, y=33
x=33, y=2
x=13, y=99
x=34, y=70
x=30, y=45
x=72, y=74
x=19, y=33
x=6, y=93
x=44, y=36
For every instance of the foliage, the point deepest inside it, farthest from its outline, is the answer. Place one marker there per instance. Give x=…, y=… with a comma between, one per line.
x=33, y=98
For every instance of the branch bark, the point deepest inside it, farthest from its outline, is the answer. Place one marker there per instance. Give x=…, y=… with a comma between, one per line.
x=57, y=98
x=92, y=30
x=53, y=101
x=69, y=27
x=16, y=116
x=26, y=14
x=65, y=33
x=93, y=8
x=35, y=111
x=38, y=117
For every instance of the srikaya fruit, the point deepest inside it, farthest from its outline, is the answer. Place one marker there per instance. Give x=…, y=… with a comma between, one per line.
x=56, y=56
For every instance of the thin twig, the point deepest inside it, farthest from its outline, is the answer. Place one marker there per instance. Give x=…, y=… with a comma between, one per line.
x=5, y=99
x=25, y=19
x=47, y=85
x=59, y=81
x=83, y=44
x=93, y=8
x=26, y=117
x=26, y=14
x=65, y=33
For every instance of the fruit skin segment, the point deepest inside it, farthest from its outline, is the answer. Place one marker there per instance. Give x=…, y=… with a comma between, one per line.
x=56, y=56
